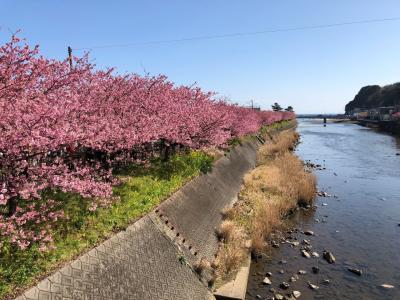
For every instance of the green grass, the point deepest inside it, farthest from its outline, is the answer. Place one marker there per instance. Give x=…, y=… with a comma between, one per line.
x=275, y=126
x=142, y=190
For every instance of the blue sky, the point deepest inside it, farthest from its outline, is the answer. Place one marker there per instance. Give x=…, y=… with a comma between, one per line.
x=314, y=70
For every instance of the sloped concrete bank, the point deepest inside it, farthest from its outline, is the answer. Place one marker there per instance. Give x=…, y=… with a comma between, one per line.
x=155, y=257
x=194, y=212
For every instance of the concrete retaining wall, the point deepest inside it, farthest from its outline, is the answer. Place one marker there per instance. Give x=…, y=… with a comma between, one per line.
x=195, y=211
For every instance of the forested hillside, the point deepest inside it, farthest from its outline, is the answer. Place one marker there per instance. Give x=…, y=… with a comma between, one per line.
x=372, y=96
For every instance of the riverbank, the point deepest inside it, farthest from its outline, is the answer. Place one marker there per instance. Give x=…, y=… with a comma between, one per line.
x=392, y=127
x=270, y=192
x=355, y=217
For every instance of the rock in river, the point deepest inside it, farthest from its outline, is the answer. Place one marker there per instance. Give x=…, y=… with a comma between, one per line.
x=307, y=248
x=305, y=253
x=295, y=243
x=355, y=271
x=387, y=286
x=328, y=256
x=278, y=297
x=315, y=270
x=313, y=286
x=282, y=262
x=314, y=254
x=296, y=294
x=284, y=285
x=275, y=244
x=302, y=272
x=309, y=232
x=266, y=281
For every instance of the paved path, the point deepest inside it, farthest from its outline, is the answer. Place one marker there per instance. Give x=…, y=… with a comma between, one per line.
x=152, y=259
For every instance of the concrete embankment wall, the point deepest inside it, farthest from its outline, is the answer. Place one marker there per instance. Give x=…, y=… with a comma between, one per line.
x=195, y=211
x=154, y=257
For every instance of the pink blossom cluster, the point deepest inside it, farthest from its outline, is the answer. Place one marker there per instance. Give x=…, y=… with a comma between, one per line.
x=31, y=224
x=64, y=129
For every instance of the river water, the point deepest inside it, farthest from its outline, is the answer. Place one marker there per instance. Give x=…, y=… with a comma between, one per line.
x=359, y=224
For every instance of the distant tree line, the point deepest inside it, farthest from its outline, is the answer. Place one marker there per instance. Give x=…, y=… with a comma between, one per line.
x=277, y=107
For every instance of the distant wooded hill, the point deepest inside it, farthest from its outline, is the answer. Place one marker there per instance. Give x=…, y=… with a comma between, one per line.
x=373, y=96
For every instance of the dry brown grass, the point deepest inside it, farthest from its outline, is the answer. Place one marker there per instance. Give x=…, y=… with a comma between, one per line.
x=232, y=251
x=230, y=257
x=202, y=265
x=226, y=212
x=269, y=192
x=280, y=143
x=290, y=179
x=265, y=221
x=276, y=189
x=226, y=230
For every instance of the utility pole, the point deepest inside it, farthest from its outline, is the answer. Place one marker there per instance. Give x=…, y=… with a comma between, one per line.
x=252, y=106
x=70, y=57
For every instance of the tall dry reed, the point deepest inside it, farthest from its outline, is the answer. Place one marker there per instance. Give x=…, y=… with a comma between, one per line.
x=284, y=141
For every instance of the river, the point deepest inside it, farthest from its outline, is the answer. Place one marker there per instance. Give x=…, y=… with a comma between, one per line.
x=359, y=224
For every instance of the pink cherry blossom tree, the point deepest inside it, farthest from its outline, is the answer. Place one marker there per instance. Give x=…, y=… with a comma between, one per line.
x=66, y=129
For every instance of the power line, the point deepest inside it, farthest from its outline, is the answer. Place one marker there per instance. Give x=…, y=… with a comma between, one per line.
x=239, y=34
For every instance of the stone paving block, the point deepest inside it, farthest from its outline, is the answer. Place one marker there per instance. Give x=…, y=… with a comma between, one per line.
x=68, y=291
x=76, y=265
x=56, y=288
x=44, y=285
x=67, y=270
x=32, y=294
x=44, y=295
x=55, y=278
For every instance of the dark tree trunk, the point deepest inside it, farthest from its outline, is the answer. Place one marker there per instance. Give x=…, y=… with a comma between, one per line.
x=167, y=153
x=12, y=206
